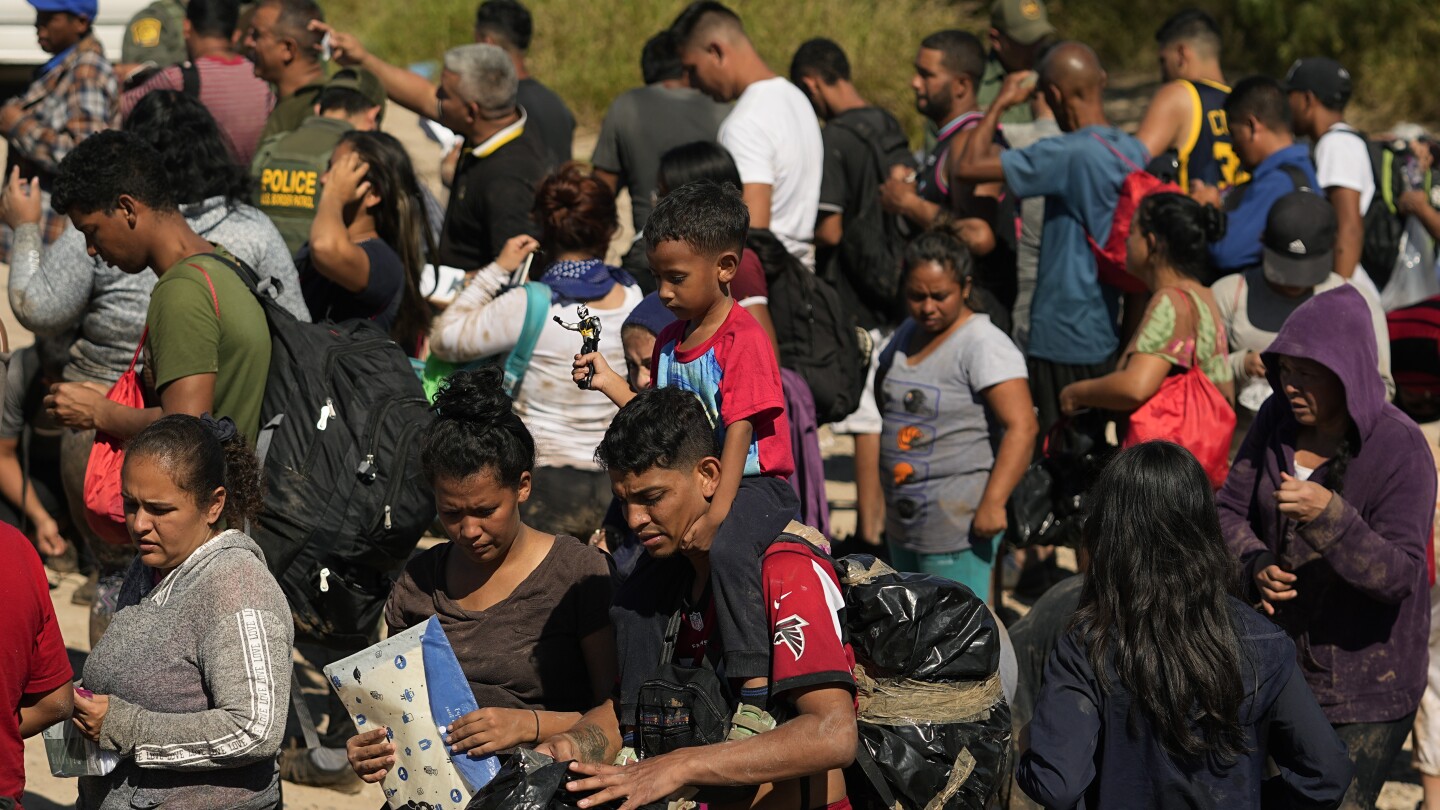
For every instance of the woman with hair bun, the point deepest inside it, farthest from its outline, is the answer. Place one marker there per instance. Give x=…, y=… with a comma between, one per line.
x=525, y=611
x=576, y=216
x=189, y=684
x=1182, y=325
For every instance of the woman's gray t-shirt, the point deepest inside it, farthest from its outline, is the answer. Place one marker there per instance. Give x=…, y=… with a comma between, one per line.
x=935, y=451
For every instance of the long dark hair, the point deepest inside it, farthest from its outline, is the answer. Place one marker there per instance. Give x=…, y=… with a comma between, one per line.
x=400, y=221
x=199, y=159
x=1183, y=229
x=1156, y=608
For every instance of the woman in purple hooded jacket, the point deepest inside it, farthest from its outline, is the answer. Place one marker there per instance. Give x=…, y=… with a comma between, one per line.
x=1328, y=507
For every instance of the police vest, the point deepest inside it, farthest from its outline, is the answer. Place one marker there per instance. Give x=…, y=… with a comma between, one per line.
x=288, y=169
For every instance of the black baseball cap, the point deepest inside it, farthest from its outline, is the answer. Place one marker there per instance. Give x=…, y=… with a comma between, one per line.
x=1326, y=78
x=1299, y=240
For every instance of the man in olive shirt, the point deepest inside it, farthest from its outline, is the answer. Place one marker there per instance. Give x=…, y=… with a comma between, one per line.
x=1020, y=31
x=288, y=167
x=207, y=343
x=286, y=53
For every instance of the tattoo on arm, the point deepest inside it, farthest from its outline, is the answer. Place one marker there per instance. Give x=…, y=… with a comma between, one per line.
x=590, y=742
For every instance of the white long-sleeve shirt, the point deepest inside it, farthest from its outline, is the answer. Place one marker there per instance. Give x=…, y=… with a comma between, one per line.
x=566, y=421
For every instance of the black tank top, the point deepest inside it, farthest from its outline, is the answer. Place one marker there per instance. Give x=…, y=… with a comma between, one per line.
x=931, y=181
x=1209, y=157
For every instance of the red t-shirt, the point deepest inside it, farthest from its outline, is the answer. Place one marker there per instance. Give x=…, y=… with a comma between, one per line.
x=30, y=647
x=735, y=375
x=803, y=600
x=749, y=282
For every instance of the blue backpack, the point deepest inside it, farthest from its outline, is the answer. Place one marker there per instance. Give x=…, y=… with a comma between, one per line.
x=435, y=371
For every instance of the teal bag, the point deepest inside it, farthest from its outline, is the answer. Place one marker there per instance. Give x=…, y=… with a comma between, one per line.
x=537, y=305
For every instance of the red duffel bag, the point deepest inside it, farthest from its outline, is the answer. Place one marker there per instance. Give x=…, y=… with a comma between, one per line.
x=104, y=507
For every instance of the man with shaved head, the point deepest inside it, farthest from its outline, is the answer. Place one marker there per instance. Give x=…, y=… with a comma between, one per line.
x=772, y=132
x=1073, y=317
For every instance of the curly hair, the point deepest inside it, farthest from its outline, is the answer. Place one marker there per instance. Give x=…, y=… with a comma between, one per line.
x=106, y=165
x=476, y=430
x=199, y=158
x=199, y=462
x=575, y=211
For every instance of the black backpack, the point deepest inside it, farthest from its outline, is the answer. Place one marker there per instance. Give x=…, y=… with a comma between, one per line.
x=345, y=500
x=871, y=252
x=818, y=336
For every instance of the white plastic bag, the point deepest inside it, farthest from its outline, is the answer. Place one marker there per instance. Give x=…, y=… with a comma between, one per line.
x=71, y=754
x=1413, y=279
x=412, y=684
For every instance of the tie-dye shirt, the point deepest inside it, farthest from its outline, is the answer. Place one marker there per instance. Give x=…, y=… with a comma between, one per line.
x=735, y=375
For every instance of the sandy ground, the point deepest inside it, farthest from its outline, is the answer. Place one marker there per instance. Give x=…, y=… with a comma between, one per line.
x=44, y=792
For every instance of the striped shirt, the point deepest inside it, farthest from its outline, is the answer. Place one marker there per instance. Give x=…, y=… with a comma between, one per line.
x=238, y=100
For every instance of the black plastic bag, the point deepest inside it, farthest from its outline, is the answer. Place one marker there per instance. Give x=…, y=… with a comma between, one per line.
x=916, y=762
x=1048, y=505
x=531, y=781
x=918, y=626
x=907, y=628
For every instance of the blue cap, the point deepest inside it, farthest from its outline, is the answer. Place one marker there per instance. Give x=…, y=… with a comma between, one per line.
x=80, y=8
x=651, y=315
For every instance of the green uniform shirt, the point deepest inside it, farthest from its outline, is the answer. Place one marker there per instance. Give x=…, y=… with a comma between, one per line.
x=288, y=168
x=290, y=113
x=187, y=337
x=156, y=34
x=990, y=88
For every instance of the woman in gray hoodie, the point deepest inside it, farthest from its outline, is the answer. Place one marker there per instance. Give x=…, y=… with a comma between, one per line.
x=61, y=290
x=190, y=683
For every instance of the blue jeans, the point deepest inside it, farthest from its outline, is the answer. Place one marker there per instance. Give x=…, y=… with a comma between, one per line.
x=970, y=567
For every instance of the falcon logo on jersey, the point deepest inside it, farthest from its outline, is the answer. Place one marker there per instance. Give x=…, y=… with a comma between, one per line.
x=790, y=631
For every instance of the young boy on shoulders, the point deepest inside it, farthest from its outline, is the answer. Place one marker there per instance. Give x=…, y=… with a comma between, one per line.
x=717, y=351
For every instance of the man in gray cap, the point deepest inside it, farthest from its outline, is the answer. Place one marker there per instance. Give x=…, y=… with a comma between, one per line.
x=1020, y=31
x=1299, y=257
x=1318, y=90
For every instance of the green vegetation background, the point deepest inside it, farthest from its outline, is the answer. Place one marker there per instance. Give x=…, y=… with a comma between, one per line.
x=589, y=50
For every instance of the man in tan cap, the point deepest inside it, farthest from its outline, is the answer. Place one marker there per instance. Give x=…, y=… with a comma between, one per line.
x=1020, y=31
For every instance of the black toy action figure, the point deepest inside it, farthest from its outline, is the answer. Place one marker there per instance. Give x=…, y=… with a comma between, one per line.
x=589, y=328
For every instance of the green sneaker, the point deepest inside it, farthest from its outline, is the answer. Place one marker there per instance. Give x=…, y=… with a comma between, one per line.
x=749, y=721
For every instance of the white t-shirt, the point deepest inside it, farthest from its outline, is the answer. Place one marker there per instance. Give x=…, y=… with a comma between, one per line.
x=775, y=140
x=566, y=422
x=1342, y=160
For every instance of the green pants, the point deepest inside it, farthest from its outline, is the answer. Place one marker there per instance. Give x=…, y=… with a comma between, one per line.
x=970, y=567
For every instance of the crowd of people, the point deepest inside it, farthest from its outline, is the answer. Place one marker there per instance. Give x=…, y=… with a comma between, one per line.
x=1236, y=306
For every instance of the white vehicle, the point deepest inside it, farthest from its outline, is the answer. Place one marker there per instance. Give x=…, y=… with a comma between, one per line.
x=20, y=54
